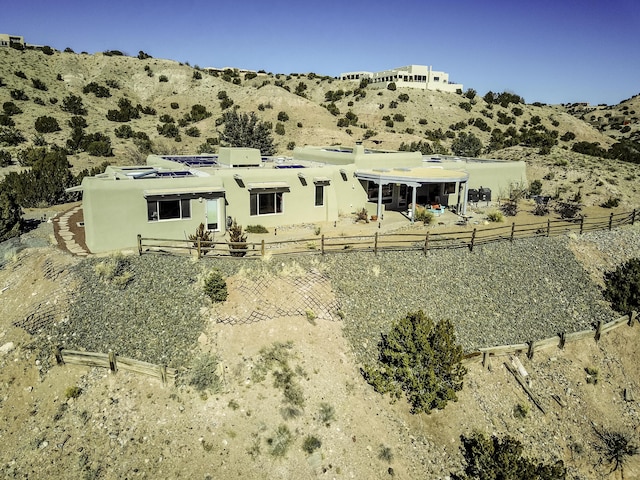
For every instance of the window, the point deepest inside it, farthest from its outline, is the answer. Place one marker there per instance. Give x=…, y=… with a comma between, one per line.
x=449, y=187
x=168, y=209
x=319, y=195
x=265, y=203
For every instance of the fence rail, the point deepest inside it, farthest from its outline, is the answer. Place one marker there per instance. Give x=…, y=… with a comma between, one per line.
x=559, y=340
x=113, y=362
x=431, y=240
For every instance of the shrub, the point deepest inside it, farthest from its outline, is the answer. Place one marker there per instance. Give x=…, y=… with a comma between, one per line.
x=46, y=124
x=38, y=101
x=398, y=117
x=203, y=376
x=465, y=106
x=174, y=105
x=6, y=121
x=622, y=287
x=311, y=444
x=403, y=97
x=419, y=359
x=73, y=105
x=10, y=108
x=124, y=131
x=280, y=128
x=611, y=203
x=615, y=448
x=72, y=392
x=169, y=130
x=568, y=209
x=362, y=215
x=494, y=458
x=10, y=136
x=19, y=95
x=385, y=454
x=535, y=188
x=115, y=270
x=203, y=237
x=291, y=145
x=391, y=86
x=39, y=84
x=20, y=74
x=215, y=286
x=326, y=414
x=280, y=441
x=424, y=215
x=256, y=229
x=5, y=158
x=197, y=75
x=163, y=78
x=496, y=216
x=283, y=117
x=98, y=90
x=466, y=145
x=237, y=240
x=226, y=103
x=192, y=132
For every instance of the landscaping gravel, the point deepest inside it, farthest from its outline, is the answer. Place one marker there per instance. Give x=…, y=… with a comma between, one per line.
x=502, y=293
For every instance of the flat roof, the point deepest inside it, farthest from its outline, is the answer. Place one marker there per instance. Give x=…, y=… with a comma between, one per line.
x=413, y=175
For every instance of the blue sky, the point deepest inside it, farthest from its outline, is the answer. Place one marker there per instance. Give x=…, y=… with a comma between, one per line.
x=546, y=51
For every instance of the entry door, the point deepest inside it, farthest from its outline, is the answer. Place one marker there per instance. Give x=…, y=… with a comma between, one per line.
x=213, y=214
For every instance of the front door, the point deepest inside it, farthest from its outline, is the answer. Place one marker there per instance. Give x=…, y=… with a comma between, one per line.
x=213, y=214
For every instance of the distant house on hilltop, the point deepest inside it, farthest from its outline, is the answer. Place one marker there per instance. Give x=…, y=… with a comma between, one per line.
x=7, y=40
x=411, y=76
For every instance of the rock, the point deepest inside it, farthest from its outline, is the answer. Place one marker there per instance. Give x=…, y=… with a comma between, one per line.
x=6, y=348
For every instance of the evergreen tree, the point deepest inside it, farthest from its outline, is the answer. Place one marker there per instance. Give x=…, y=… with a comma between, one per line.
x=245, y=130
x=10, y=214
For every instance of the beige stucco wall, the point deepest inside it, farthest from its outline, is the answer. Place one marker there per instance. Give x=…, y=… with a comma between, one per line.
x=115, y=211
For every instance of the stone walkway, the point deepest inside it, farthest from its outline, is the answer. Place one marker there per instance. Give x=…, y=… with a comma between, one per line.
x=69, y=232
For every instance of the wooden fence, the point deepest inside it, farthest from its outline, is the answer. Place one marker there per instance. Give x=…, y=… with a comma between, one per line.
x=558, y=341
x=114, y=362
x=401, y=241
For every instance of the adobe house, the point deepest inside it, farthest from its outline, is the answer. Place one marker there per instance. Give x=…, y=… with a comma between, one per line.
x=172, y=194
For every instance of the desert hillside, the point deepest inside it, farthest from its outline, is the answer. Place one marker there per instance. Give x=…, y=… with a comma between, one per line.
x=302, y=109
x=269, y=382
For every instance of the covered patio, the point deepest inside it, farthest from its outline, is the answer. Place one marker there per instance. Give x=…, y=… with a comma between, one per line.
x=429, y=186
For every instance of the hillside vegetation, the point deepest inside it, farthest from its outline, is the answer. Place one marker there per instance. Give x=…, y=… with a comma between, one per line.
x=66, y=114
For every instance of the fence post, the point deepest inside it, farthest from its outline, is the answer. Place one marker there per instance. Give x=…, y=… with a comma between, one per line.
x=530, y=350
x=548, y=227
x=598, y=331
x=199, y=249
x=57, y=352
x=485, y=359
x=473, y=240
x=563, y=339
x=262, y=248
x=375, y=244
x=113, y=364
x=139, y=244
x=581, y=224
x=610, y=221
x=322, y=244
x=633, y=216
x=513, y=229
x=426, y=243
x=163, y=374
x=632, y=317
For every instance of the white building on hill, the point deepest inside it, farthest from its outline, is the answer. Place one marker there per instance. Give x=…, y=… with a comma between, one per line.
x=411, y=76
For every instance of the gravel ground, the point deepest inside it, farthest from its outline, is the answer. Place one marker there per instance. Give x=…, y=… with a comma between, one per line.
x=499, y=294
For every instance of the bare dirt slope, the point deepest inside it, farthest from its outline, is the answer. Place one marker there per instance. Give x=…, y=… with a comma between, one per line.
x=126, y=425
